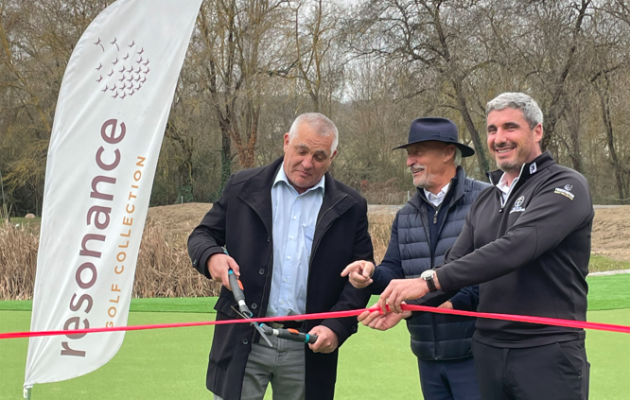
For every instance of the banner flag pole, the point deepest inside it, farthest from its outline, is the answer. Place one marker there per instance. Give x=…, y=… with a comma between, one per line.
x=110, y=119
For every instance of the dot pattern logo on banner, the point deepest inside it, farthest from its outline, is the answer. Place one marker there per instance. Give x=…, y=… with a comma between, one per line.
x=123, y=70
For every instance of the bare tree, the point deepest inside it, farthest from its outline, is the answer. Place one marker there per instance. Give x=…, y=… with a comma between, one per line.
x=319, y=62
x=436, y=38
x=232, y=34
x=36, y=41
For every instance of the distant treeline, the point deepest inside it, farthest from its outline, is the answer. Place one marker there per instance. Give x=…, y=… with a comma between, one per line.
x=371, y=65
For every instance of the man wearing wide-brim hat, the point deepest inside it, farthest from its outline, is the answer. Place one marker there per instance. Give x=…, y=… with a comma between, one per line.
x=424, y=229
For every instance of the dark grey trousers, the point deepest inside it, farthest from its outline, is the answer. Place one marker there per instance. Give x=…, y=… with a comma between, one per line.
x=282, y=366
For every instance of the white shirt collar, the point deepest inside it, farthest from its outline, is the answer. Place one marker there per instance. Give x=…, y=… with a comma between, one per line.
x=437, y=199
x=502, y=184
x=504, y=187
x=281, y=176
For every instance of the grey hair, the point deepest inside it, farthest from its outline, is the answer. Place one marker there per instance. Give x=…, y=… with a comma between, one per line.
x=320, y=123
x=458, y=157
x=518, y=101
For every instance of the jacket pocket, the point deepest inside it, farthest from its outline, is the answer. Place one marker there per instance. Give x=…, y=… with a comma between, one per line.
x=227, y=306
x=223, y=343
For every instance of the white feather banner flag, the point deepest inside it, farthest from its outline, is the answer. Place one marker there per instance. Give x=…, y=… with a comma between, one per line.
x=111, y=115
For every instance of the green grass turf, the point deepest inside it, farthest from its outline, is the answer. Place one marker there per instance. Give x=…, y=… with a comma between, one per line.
x=156, y=364
x=171, y=363
x=608, y=292
x=185, y=304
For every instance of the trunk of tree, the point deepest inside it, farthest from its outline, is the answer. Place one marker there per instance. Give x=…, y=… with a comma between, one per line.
x=574, y=129
x=576, y=157
x=556, y=108
x=184, y=163
x=610, y=140
x=549, y=130
x=226, y=153
x=480, y=151
x=245, y=149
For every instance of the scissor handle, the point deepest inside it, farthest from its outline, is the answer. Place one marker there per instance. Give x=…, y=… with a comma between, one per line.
x=239, y=296
x=295, y=335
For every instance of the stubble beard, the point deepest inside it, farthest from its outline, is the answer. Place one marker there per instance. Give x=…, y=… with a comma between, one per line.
x=422, y=182
x=510, y=166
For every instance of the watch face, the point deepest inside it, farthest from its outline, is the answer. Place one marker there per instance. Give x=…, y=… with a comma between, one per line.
x=428, y=274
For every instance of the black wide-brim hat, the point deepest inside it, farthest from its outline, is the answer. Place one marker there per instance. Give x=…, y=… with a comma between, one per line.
x=438, y=130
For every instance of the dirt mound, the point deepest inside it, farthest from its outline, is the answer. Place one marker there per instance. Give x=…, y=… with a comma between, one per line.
x=611, y=233
x=178, y=219
x=611, y=227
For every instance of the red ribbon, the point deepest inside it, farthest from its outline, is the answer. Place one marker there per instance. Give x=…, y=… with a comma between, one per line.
x=523, y=318
x=336, y=314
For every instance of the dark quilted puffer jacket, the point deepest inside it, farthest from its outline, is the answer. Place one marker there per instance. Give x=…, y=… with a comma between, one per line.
x=433, y=336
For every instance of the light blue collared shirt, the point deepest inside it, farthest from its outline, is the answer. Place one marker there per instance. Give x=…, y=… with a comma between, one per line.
x=294, y=219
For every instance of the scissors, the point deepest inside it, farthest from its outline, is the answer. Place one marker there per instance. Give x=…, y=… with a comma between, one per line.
x=263, y=329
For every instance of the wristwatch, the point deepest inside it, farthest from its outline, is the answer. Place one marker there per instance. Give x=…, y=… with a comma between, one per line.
x=427, y=276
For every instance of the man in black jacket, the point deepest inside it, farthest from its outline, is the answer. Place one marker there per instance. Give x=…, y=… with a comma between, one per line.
x=423, y=230
x=289, y=229
x=527, y=243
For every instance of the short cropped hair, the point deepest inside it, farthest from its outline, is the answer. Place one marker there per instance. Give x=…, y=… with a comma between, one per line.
x=320, y=123
x=518, y=101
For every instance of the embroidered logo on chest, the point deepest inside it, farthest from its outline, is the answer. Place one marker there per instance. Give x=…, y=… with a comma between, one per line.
x=517, y=205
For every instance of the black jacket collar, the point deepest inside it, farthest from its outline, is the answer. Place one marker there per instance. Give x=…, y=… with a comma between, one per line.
x=528, y=170
x=256, y=192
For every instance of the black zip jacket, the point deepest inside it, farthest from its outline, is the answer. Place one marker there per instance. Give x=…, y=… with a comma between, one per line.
x=529, y=254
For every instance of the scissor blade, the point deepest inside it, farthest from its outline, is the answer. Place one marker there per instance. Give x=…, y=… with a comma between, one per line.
x=256, y=325
x=262, y=334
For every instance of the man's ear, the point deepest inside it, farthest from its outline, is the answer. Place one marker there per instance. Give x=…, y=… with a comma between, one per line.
x=538, y=133
x=449, y=152
x=286, y=142
x=333, y=155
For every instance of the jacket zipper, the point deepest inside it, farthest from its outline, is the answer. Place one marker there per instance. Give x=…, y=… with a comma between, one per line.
x=435, y=341
x=433, y=323
x=437, y=210
x=509, y=193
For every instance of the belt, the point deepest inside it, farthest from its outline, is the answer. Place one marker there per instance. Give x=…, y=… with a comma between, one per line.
x=287, y=325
